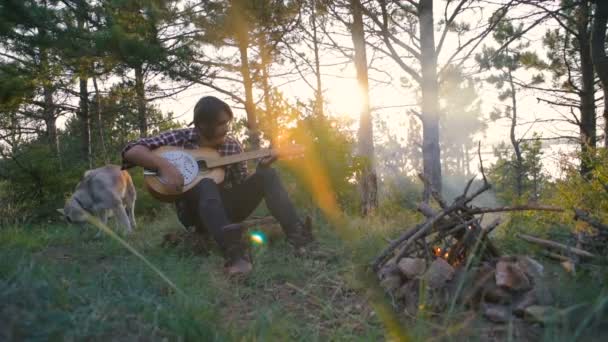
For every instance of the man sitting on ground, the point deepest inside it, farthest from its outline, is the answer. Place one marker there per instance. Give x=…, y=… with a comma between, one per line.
x=218, y=208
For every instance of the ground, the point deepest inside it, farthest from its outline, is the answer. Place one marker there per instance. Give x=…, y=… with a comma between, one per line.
x=60, y=283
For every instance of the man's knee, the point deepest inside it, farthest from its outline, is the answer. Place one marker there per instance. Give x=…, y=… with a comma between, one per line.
x=208, y=193
x=267, y=172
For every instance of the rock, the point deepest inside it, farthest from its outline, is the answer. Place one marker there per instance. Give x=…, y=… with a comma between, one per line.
x=411, y=291
x=495, y=294
x=391, y=283
x=388, y=270
x=541, y=314
x=412, y=267
x=402, y=292
x=528, y=299
x=511, y=277
x=439, y=273
x=496, y=313
x=531, y=267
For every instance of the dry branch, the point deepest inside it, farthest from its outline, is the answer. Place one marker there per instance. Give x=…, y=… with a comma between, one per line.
x=553, y=244
x=583, y=216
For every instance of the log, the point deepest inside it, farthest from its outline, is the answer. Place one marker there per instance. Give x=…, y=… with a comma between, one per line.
x=259, y=222
x=557, y=245
x=476, y=211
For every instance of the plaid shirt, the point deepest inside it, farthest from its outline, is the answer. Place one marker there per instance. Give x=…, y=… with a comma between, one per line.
x=188, y=138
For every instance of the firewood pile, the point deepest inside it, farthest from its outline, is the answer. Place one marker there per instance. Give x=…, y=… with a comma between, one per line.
x=448, y=261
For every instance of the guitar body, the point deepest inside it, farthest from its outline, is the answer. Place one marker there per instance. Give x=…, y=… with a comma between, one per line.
x=191, y=163
x=198, y=164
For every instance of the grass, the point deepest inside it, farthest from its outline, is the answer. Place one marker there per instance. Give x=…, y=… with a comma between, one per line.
x=58, y=283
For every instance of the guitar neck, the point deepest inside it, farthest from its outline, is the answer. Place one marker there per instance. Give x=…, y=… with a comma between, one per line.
x=237, y=158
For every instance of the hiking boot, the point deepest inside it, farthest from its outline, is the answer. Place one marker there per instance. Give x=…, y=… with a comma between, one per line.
x=235, y=250
x=301, y=236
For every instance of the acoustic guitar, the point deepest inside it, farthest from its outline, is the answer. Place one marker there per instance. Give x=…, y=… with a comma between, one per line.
x=198, y=164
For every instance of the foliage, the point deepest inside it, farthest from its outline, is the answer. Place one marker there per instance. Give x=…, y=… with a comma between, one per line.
x=502, y=174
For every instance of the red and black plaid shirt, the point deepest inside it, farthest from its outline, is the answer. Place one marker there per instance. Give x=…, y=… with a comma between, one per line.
x=188, y=138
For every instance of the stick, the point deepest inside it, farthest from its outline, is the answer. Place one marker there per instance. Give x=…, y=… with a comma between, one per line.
x=393, y=245
x=436, y=195
x=553, y=244
x=483, y=174
x=426, y=210
x=556, y=256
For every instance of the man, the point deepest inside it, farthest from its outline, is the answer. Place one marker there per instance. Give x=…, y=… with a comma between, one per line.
x=217, y=208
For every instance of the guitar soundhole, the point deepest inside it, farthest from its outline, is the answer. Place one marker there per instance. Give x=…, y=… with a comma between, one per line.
x=202, y=166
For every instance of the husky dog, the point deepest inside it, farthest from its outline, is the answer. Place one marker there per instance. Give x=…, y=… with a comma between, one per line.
x=101, y=191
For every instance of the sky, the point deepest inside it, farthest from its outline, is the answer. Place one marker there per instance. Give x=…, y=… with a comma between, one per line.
x=391, y=101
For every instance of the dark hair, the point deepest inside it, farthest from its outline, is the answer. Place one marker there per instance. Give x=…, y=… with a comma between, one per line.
x=208, y=109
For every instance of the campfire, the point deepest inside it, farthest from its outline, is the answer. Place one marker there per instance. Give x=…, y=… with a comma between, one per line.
x=448, y=261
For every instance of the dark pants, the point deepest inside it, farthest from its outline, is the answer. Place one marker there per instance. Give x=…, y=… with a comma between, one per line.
x=209, y=207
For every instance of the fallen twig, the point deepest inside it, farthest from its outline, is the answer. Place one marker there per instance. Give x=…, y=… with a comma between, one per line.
x=583, y=216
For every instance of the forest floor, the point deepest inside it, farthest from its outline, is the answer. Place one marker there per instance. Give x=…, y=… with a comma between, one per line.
x=58, y=282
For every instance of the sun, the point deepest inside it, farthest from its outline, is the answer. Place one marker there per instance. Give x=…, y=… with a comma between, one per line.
x=345, y=97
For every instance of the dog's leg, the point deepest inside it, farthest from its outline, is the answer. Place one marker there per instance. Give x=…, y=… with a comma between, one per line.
x=103, y=216
x=122, y=217
x=130, y=197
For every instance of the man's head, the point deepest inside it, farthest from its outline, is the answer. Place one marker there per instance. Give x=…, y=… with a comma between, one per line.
x=211, y=118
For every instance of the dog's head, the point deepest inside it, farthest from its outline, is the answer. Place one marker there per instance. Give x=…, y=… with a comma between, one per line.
x=73, y=211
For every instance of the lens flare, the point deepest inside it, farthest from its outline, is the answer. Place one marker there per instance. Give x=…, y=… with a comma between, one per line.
x=258, y=238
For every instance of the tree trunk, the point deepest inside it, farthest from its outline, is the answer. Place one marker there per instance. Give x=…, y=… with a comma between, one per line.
x=141, y=100
x=85, y=119
x=587, y=106
x=368, y=181
x=252, y=124
x=519, y=161
x=319, y=90
x=48, y=111
x=102, y=139
x=598, y=53
x=50, y=120
x=270, y=117
x=431, y=154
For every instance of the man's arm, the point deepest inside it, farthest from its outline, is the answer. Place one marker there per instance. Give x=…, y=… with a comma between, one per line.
x=142, y=156
x=139, y=153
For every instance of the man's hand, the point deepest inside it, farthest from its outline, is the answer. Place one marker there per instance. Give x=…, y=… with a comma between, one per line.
x=171, y=176
x=267, y=161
